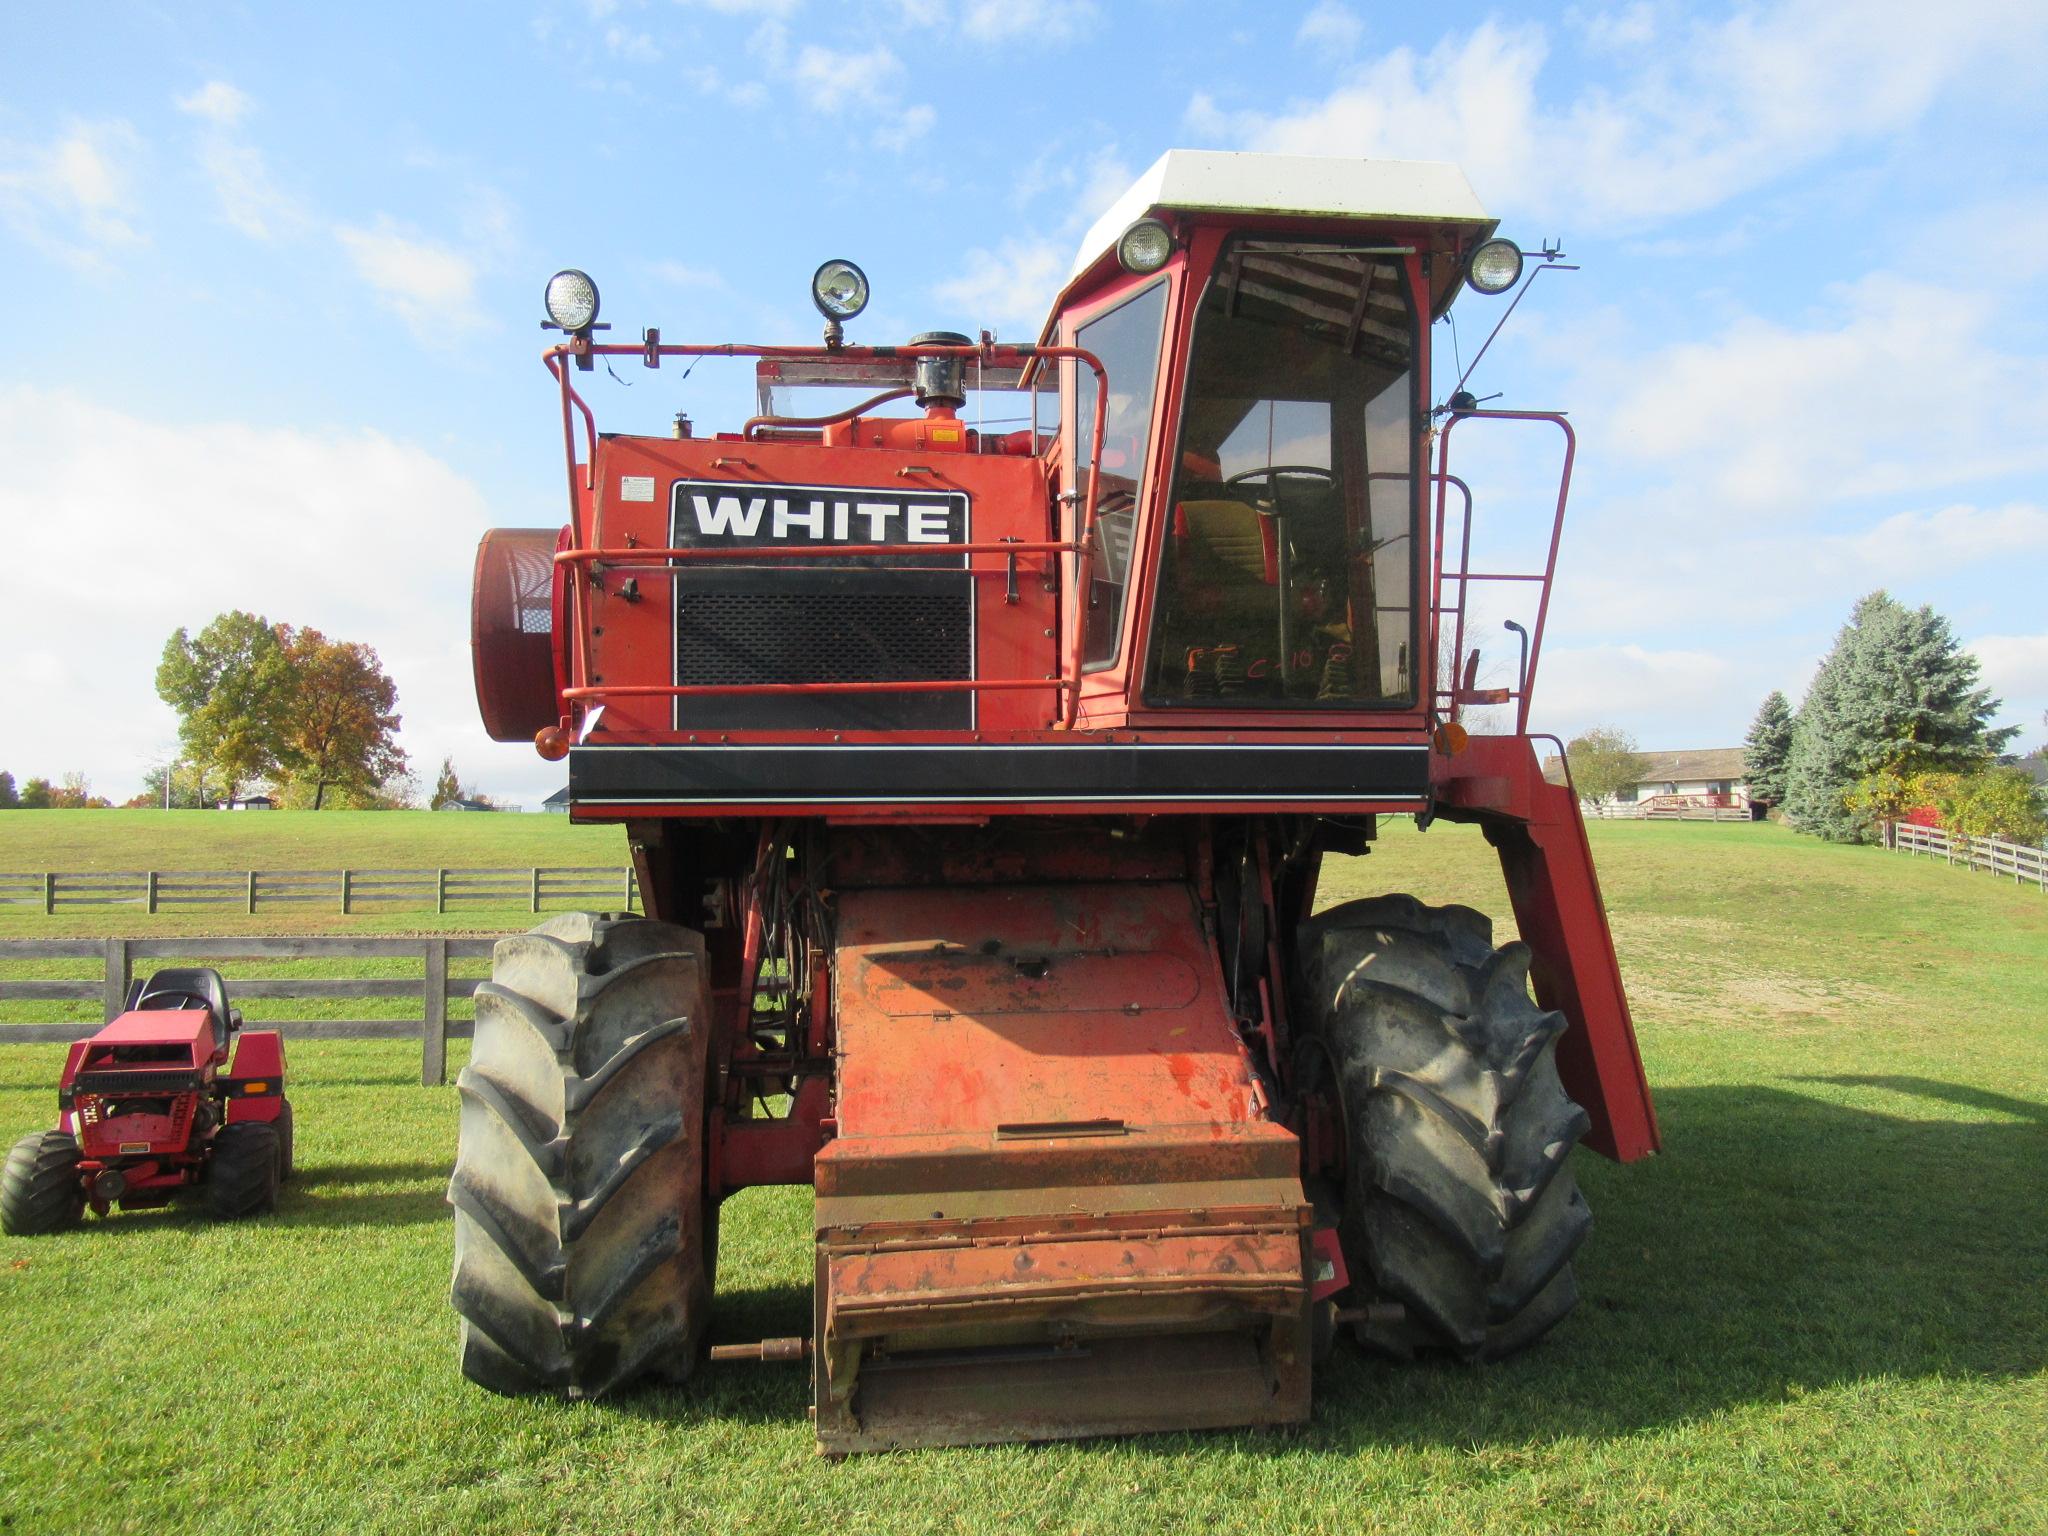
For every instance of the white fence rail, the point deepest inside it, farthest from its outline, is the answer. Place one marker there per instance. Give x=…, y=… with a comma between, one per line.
x=2026, y=866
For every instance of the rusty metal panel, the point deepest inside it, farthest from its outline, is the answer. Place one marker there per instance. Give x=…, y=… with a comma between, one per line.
x=961, y=1011
x=1055, y=1205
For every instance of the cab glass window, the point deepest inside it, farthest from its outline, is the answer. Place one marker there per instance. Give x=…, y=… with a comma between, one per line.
x=1288, y=572
x=1127, y=341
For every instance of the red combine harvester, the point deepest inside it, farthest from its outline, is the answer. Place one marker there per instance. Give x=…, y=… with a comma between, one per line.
x=150, y=1106
x=978, y=783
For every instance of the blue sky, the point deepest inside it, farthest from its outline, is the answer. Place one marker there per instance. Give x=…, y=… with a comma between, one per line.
x=275, y=278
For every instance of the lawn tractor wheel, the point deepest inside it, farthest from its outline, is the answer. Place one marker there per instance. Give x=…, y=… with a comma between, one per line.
x=39, y=1188
x=241, y=1179
x=1458, y=1202
x=283, y=1122
x=582, y=1228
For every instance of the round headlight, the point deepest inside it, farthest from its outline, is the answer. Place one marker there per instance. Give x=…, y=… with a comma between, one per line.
x=1145, y=246
x=1495, y=267
x=572, y=300
x=840, y=290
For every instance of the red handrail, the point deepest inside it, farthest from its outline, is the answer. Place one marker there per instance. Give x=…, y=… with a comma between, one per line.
x=556, y=360
x=1464, y=575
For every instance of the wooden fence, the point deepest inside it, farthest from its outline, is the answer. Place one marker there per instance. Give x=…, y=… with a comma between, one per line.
x=2027, y=866
x=344, y=890
x=119, y=964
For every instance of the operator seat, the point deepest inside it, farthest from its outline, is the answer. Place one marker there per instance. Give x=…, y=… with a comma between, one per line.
x=182, y=987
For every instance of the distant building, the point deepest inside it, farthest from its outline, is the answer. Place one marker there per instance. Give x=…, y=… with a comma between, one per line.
x=469, y=805
x=246, y=803
x=558, y=802
x=1699, y=782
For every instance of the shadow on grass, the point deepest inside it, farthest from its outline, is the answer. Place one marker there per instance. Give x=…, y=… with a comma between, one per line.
x=318, y=1196
x=1779, y=1246
x=1945, y=1093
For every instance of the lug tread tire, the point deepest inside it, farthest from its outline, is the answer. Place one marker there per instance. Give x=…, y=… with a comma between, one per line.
x=40, y=1191
x=286, y=1156
x=581, y=1233
x=241, y=1175
x=1459, y=1202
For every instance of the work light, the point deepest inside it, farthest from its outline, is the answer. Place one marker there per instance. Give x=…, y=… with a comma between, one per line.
x=1494, y=267
x=1145, y=246
x=571, y=300
x=839, y=289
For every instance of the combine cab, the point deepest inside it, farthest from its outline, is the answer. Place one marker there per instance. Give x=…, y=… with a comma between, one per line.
x=978, y=781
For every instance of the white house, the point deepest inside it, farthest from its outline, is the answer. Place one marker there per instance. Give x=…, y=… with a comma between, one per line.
x=1699, y=782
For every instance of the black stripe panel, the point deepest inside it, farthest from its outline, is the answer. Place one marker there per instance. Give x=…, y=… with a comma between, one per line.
x=1112, y=772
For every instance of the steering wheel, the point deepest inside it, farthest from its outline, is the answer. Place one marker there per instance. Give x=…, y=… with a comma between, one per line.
x=1272, y=475
x=150, y=1001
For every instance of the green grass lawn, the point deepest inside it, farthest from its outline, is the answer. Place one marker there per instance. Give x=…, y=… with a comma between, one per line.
x=1823, y=1309
x=87, y=842
x=98, y=840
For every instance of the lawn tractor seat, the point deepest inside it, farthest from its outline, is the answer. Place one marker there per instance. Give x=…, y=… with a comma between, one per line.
x=190, y=986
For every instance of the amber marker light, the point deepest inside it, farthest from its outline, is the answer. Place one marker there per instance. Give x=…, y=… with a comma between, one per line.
x=1451, y=738
x=551, y=742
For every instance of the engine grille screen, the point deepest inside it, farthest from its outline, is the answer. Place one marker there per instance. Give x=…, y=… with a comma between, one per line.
x=755, y=625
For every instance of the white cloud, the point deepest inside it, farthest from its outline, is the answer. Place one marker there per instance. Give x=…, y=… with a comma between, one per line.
x=1046, y=21
x=217, y=102
x=250, y=198
x=2015, y=667
x=834, y=79
x=1013, y=286
x=904, y=130
x=73, y=196
x=867, y=81
x=1780, y=421
x=684, y=276
x=1009, y=288
x=1953, y=536
x=749, y=7
x=634, y=47
x=304, y=526
x=1711, y=109
x=431, y=286
x=1578, y=686
x=1330, y=25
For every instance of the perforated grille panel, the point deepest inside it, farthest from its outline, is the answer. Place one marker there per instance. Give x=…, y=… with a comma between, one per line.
x=846, y=626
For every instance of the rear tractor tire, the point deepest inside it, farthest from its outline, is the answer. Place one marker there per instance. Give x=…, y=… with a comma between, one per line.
x=241, y=1176
x=40, y=1191
x=582, y=1232
x=1457, y=1201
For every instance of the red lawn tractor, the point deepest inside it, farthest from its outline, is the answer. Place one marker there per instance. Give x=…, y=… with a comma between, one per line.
x=979, y=763
x=150, y=1106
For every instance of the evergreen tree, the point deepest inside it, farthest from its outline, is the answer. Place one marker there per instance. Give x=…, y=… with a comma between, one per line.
x=1898, y=695
x=10, y=797
x=1766, y=747
x=447, y=787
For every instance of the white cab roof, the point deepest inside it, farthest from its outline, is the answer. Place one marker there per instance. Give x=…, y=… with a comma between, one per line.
x=1220, y=181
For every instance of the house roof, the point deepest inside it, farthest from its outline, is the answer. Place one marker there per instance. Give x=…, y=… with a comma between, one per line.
x=1700, y=763
x=1697, y=763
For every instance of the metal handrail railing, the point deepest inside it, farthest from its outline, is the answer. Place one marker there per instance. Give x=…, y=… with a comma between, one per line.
x=652, y=351
x=1454, y=697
